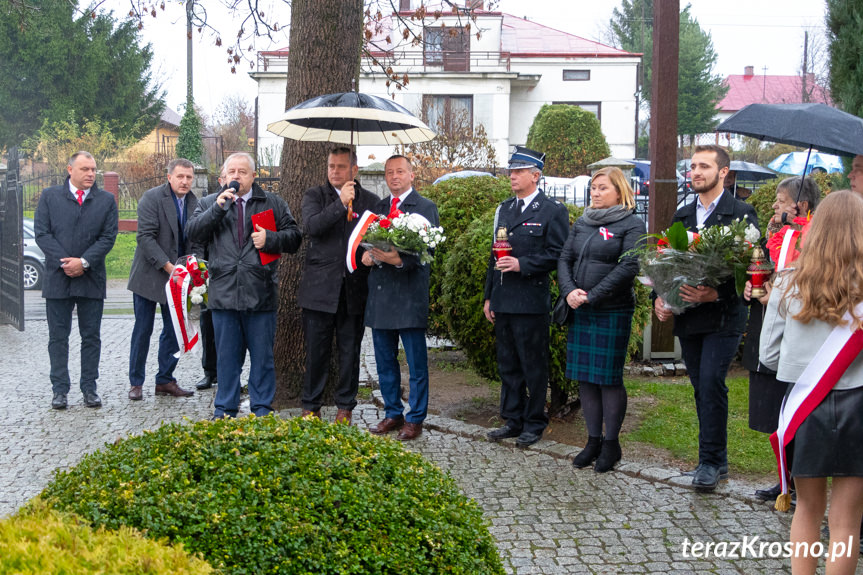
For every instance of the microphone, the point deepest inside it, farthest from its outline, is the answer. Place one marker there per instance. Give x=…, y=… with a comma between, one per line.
x=235, y=186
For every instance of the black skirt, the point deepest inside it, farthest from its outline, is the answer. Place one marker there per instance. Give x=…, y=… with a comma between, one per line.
x=827, y=443
x=765, y=401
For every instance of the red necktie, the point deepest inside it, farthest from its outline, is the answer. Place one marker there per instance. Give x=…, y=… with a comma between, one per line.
x=394, y=207
x=80, y=196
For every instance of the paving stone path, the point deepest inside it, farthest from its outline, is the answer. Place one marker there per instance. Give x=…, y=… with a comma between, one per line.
x=546, y=516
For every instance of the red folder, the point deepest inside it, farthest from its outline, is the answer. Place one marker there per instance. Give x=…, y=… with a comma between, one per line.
x=267, y=221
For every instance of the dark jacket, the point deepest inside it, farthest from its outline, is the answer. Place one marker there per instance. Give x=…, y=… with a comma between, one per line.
x=158, y=241
x=600, y=271
x=65, y=229
x=399, y=297
x=537, y=236
x=327, y=231
x=728, y=314
x=238, y=280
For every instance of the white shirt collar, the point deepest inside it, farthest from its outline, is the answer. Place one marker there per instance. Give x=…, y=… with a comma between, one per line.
x=528, y=200
x=401, y=197
x=703, y=212
x=74, y=191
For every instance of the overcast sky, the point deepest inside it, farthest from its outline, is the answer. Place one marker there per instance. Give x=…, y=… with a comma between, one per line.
x=745, y=32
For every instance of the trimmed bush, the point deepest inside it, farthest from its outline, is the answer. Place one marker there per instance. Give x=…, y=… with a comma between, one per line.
x=265, y=495
x=570, y=137
x=459, y=202
x=40, y=540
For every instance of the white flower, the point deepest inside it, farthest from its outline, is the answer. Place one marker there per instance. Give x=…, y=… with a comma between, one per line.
x=197, y=299
x=432, y=244
x=752, y=234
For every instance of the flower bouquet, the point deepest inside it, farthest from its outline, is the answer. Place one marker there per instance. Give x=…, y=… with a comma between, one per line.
x=407, y=233
x=681, y=257
x=186, y=286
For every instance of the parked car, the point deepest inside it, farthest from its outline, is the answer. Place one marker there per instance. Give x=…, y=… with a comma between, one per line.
x=34, y=259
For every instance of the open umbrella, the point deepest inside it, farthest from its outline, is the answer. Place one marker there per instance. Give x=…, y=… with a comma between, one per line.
x=751, y=172
x=351, y=118
x=795, y=162
x=806, y=125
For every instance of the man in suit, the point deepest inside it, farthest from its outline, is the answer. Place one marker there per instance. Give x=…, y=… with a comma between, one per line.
x=333, y=301
x=398, y=306
x=710, y=332
x=517, y=298
x=243, y=294
x=75, y=225
x=162, y=215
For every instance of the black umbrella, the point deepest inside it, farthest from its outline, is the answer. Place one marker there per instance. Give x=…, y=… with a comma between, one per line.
x=805, y=125
x=751, y=172
x=351, y=118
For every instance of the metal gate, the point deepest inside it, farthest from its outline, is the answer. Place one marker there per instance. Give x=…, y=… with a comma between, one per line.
x=11, y=246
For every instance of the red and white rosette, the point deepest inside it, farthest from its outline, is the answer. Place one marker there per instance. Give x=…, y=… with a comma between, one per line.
x=367, y=219
x=177, y=289
x=836, y=354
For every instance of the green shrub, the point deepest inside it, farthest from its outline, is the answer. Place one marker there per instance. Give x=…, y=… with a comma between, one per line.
x=459, y=202
x=265, y=495
x=40, y=540
x=570, y=137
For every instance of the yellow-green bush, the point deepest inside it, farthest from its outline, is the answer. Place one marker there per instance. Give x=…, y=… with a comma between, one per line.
x=40, y=540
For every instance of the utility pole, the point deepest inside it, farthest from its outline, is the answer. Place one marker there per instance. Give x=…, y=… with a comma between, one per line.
x=663, y=140
x=190, y=5
x=804, y=96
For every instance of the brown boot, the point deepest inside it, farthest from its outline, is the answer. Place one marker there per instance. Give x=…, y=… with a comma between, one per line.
x=136, y=393
x=387, y=425
x=344, y=416
x=307, y=412
x=410, y=431
x=171, y=388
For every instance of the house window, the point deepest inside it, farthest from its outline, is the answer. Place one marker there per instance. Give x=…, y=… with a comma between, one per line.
x=448, y=113
x=576, y=75
x=433, y=48
x=594, y=108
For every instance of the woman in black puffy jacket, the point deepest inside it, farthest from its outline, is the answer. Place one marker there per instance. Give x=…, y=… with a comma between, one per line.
x=597, y=283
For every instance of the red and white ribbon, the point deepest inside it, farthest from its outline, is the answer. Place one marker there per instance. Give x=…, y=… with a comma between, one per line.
x=788, y=240
x=367, y=219
x=836, y=354
x=177, y=289
x=605, y=233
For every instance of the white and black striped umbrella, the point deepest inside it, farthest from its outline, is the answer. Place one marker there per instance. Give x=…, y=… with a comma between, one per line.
x=351, y=118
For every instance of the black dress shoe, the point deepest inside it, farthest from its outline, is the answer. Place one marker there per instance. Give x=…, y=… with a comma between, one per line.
x=59, y=401
x=527, y=438
x=206, y=382
x=769, y=494
x=723, y=471
x=706, y=477
x=92, y=399
x=502, y=433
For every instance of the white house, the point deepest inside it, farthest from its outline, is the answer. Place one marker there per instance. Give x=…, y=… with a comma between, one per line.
x=500, y=80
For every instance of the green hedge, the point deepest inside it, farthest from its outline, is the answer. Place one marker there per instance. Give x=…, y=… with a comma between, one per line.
x=571, y=138
x=459, y=201
x=39, y=540
x=265, y=495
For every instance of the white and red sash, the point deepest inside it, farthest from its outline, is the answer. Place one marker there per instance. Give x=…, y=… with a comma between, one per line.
x=788, y=241
x=367, y=219
x=177, y=289
x=836, y=354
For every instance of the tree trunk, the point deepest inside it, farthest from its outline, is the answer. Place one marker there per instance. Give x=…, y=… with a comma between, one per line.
x=325, y=47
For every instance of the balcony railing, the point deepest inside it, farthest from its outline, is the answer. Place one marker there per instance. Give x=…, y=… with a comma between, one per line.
x=410, y=61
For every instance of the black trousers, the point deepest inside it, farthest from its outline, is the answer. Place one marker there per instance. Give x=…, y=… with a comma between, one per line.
x=59, y=312
x=319, y=327
x=522, y=360
x=208, y=342
x=707, y=357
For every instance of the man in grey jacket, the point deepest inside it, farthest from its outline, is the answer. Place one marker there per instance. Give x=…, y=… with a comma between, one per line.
x=162, y=215
x=243, y=294
x=76, y=225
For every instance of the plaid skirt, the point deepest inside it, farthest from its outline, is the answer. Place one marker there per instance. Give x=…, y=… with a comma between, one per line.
x=596, y=345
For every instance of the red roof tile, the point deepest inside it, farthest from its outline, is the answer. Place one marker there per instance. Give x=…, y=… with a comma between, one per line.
x=524, y=38
x=744, y=90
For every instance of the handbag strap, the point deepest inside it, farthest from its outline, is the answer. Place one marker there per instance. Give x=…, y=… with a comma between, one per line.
x=578, y=261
